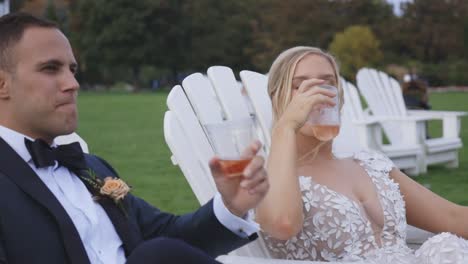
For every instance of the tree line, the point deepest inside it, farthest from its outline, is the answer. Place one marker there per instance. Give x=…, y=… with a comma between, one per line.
x=144, y=40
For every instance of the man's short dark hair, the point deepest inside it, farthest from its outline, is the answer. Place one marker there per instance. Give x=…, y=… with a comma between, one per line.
x=12, y=28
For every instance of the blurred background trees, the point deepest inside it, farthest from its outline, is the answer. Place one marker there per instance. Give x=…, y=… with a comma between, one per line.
x=157, y=42
x=356, y=47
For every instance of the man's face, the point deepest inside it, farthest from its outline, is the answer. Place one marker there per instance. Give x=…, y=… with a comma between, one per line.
x=42, y=85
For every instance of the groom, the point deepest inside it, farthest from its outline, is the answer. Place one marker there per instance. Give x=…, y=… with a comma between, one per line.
x=54, y=207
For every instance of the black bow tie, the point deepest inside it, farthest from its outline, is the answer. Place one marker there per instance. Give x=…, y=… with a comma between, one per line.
x=70, y=155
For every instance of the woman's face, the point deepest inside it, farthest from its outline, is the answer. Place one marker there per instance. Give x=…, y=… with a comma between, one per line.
x=312, y=66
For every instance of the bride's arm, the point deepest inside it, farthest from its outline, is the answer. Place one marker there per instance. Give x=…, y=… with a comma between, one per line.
x=280, y=212
x=429, y=211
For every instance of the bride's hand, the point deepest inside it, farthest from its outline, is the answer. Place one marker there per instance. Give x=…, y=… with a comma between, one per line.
x=307, y=96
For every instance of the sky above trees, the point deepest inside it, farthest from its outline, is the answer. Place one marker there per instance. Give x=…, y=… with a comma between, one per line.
x=396, y=5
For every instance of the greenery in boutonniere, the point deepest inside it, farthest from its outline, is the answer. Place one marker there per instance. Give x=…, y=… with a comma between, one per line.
x=111, y=187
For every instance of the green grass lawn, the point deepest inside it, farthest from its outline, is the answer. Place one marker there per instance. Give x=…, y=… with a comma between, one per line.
x=127, y=130
x=450, y=183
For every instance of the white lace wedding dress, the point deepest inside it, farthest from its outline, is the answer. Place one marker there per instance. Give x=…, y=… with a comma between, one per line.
x=336, y=228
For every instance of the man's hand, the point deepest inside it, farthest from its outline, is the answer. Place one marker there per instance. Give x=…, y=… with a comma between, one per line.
x=241, y=194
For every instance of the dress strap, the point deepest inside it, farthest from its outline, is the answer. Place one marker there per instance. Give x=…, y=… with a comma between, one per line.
x=374, y=161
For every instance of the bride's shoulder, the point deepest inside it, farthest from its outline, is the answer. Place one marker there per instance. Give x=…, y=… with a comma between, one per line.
x=374, y=160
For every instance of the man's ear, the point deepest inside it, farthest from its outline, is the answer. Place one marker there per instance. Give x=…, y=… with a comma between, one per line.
x=4, y=85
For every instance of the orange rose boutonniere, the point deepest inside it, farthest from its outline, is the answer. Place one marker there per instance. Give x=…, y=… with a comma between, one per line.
x=111, y=187
x=115, y=188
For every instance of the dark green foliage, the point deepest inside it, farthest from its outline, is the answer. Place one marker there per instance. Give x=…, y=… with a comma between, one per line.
x=115, y=40
x=16, y=5
x=355, y=48
x=453, y=72
x=124, y=35
x=51, y=13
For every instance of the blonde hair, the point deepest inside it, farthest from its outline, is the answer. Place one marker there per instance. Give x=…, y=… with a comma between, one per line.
x=281, y=74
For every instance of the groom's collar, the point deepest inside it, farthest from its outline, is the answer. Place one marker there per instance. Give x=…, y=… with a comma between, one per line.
x=16, y=141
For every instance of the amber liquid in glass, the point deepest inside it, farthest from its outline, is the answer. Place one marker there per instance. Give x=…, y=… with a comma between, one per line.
x=325, y=132
x=233, y=168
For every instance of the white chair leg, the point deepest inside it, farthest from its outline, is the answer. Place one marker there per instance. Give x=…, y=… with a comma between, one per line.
x=422, y=164
x=452, y=164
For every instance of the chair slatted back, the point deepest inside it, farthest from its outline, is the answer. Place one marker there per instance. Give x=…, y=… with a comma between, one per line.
x=378, y=90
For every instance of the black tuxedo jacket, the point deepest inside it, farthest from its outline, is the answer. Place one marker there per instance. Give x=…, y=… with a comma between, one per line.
x=35, y=228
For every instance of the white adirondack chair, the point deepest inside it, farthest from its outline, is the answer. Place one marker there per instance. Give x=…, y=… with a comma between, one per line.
x=255, y=85
x=384, y=97
x=73, y=137
x=408, y=157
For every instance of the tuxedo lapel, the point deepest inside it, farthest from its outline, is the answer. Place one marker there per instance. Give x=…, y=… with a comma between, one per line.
x=123, y=226
x=126, y=229
x=14, y=167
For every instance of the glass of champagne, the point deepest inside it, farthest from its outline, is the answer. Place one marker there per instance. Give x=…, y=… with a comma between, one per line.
x=325, y=119
x=229, y=140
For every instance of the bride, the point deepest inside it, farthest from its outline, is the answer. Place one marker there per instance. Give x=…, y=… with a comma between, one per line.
x=323, y=208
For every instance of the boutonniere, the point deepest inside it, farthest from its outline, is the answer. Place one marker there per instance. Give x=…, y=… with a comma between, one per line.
x=114, y=188
x=111, y=187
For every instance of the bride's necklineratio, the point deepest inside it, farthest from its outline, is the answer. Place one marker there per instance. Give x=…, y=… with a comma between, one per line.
x=335, y=175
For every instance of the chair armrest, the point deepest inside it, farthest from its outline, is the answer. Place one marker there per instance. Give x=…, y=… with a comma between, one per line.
x=370, y=120
x=371, y=135
x=226, y=259
x=436, y=114
x=406, y=118
x=369, y=132
x=414, y=128
x=377, y=119
x=451, y=120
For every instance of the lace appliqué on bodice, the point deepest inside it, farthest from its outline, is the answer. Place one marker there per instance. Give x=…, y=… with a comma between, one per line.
x=336, y=227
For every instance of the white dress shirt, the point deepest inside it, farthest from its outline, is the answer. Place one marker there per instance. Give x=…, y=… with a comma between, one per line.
x=99, y=237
